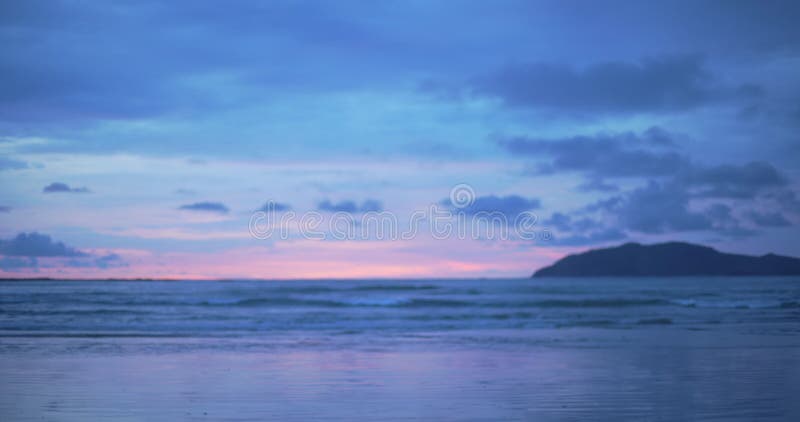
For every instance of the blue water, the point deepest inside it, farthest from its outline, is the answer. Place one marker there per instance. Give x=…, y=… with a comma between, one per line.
x=260, y=309
x=544, y=349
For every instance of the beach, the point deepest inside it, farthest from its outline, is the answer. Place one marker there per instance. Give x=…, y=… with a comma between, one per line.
x=524, y=349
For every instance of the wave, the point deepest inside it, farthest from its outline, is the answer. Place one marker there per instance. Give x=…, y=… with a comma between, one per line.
x=387, y=301
x=593, y=303
x=693, y=303
x=363, y=301
x=364, y=288
x=654, y=321
x=599, y=323
x=380, y=301
x=445, y=303
x=396, y=287
x=75, y=312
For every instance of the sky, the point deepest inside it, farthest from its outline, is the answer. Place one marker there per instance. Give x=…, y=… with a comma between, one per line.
x=143, y=139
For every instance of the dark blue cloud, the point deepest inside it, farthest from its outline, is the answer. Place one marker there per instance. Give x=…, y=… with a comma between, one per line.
x=510, y=205
x=342, y=206
x=16, y=263
x=592, y=238
x=733, y=181
x=4, y=208
x=28, y=263
x=214, y=207
x=275, y=206
x=559, y=221
x=58, y=187
x=36, y=245
x=768, y=219
x=660, y=208
x=603, y=205
x=660, y=84
x=787, y=199
x=371, y=205
x=665, y=208
x=576, y=230
x=566, y=223
x=721, y=213
x=26, y=250
x=624, y=154
x=648, y=155
x=105, y=261
x=597, y=185
x=350, y=206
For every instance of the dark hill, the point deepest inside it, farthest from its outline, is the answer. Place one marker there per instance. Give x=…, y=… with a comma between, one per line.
x=667, y=259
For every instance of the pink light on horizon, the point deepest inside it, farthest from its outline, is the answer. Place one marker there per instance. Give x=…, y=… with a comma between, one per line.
x=309, y=259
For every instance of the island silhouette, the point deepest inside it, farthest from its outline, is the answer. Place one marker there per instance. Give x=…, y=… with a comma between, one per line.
x=667, y=259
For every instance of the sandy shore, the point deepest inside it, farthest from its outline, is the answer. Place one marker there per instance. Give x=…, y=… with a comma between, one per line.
x=627, y=379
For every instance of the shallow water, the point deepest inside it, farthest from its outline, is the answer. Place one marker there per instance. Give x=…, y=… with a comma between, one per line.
x=559, y=349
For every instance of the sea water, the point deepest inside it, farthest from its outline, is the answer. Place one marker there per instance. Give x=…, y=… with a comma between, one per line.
x=706, y=348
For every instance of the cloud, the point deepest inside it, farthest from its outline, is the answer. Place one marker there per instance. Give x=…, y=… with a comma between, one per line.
x=511, y=205
x=768, y=219
x=215, y=207
x=606, y=204
x=725, y=223
x=16, y=263
x=581, y=231
x=4, y=208
x=674, y=185
x=106, y=261
x=275, y=206
x=103, y=262
x=566, y=223
x=185, y=192
x=721, y=213
x=53, y=78
x=434, y=150
x=660, y=84
x=663, y=208
x=593, y=238
x=625, y=154
x=36, y=245
x=660, y=208
x=597, y=185
x=733, y=181
x=559, y=221
x=647, y=155
x=371, y=205
x=350, y=206
x=58, y=187
x=343, y=206
x=34, y=250
x=12, y=164
x=785, y=198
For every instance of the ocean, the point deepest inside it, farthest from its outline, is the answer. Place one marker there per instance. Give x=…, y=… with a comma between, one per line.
x=706, y=348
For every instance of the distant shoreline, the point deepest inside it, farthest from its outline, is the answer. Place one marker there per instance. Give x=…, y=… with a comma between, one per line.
x=378, y=279
x=12, y=279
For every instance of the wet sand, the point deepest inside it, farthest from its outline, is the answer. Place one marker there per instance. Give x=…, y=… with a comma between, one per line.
x=620, y=377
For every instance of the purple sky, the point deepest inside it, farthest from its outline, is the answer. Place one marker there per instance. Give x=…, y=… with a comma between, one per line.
x=138, y=139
